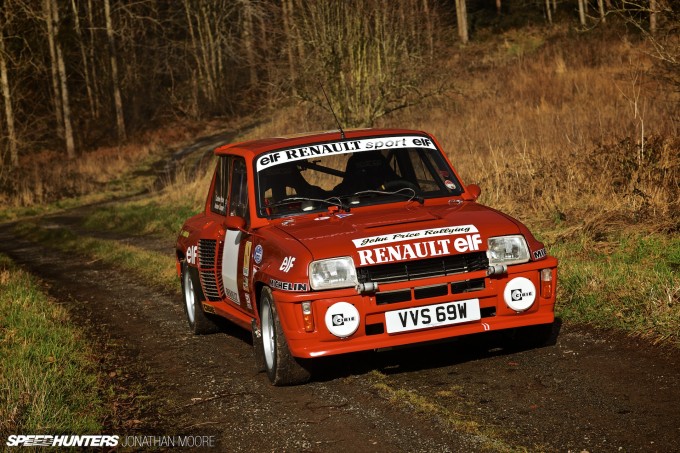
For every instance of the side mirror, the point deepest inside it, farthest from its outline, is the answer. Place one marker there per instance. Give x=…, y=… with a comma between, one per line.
x=472, y=192
x=235, y=222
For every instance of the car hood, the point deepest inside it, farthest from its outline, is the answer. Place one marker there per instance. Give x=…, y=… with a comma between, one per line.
x=365, y=234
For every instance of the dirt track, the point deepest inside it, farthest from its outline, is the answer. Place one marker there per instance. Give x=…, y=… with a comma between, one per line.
x=590, y=391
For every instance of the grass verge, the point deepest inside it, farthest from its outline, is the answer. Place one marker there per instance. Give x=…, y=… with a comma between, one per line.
x=154, y=268
x=48, y=378
x=630, y=283
x=138, y=218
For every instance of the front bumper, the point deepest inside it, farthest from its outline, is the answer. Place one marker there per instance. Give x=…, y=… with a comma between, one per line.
x=371, y=332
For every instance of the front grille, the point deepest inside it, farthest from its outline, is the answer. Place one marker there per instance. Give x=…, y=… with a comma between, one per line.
x=427, y=292
x=467, y=286
x=431, y=267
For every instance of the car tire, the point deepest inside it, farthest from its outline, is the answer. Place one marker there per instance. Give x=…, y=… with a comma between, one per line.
x=199, y=322
x=282, y=368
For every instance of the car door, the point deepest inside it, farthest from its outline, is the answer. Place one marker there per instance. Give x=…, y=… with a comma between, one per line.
x=236, y=242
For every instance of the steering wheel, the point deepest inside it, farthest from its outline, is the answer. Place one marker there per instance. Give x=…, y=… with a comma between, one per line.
x=396, y=184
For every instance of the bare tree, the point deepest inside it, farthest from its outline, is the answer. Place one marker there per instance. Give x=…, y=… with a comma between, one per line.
x=117, y=98
x=429, y=26
x=600, y=6
x=662, y=32
x=91, y=54
x=211, y=49
x=85, y=61
x=54, y=68
x=52, y=9
x=582, y=12
x=287, y=16
x=548, y=12
x=653, y=11
x=368, y=63
x=248, y=40
x=461, y=16
x=7, y=98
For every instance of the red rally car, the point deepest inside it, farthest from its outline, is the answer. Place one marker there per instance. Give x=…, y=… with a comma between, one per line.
x=338, y=242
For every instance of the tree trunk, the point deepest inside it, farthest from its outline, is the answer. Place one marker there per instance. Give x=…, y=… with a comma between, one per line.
x=61, y=66
x=287, y=8
x=548, y=13
x=83, y=55
x=461, y=15
x=93, y=60
x=582, y=12
x=652, y=16
x=7, y=97
x=498, y=7
x=196, y=75
x=56, y=94
x=117, y=99
x=600, y=5
x=429, y=27
x=248, y=41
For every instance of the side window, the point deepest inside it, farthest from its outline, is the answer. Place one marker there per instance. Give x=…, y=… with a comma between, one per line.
x=238, y=200
x=218, y=204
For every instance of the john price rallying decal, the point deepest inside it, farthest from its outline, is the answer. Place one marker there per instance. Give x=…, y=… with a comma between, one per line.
x=342, y=147
x=410, y=235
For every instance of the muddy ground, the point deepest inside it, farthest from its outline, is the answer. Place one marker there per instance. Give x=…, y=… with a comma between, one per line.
x=588, y=390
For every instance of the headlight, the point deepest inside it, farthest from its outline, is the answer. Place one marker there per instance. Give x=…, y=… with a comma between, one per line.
x=508, y=250
x=332, y=273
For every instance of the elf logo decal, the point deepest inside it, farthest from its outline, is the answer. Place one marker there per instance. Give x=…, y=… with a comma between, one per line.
x=287, y=264
x=192, y=253
x=427, y=249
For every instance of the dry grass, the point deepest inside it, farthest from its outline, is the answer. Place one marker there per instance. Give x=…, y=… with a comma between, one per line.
x=565, y=131
x=47, y=176
x=568, y=130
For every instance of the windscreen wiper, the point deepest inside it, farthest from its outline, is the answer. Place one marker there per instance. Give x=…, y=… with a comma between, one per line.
x=310, y=202
x=411, y=195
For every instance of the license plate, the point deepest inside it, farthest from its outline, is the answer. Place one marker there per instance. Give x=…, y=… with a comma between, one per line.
x=432, y=316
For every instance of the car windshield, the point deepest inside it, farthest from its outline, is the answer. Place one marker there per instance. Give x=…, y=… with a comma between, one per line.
x=351, y=173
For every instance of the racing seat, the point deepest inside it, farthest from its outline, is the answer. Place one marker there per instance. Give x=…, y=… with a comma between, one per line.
x=282, y=177
x=366, y=170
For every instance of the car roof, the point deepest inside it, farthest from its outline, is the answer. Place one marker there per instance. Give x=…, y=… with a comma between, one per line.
x=261, y=146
